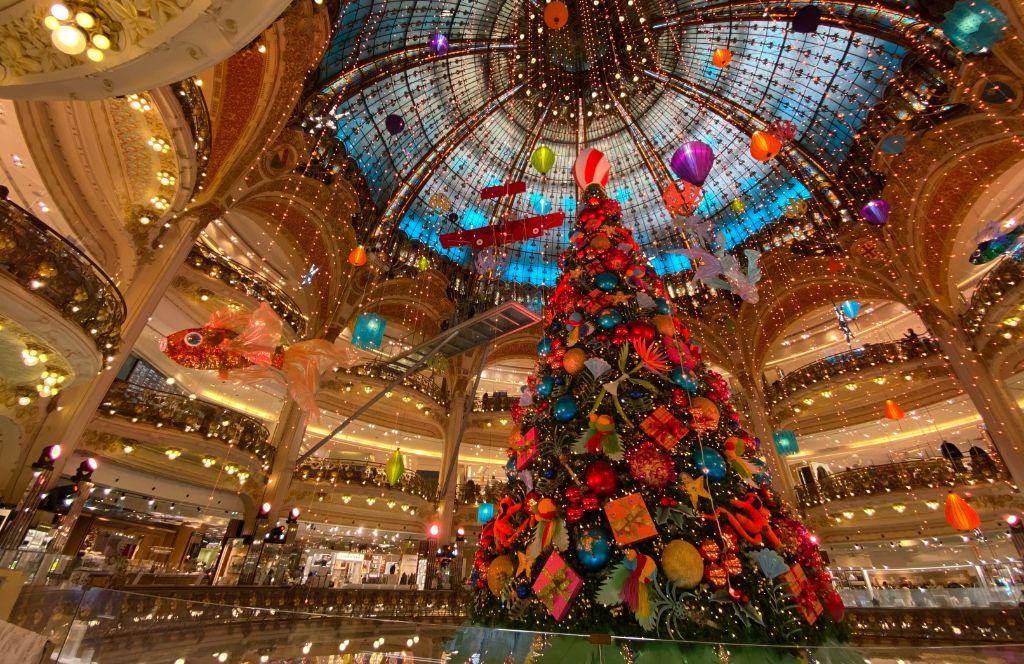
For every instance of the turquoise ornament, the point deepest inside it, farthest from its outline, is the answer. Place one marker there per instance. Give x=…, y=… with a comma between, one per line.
x=685, y=379
x=607, y=281
x=609, y=318
x=593, y=548
x=662, y=305
x=544, y=347
x=565, y=408
x=709, y=462
x=544, y=386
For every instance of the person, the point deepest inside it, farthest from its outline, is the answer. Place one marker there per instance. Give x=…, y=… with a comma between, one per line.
x=470, y=491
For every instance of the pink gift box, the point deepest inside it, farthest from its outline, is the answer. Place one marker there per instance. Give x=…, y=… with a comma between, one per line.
x=526, y=448
x=557, y=585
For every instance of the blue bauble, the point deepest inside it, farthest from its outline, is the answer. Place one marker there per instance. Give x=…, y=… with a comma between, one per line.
x=548, y=473
x=523, y=591
x=662, y=305
x=607, y=281
x=555, y=326
x=635, y=394
x=545, y=385
x=593, y=548
x=710, y=462
x=544, y=346
x=565, y=408
x=559, y=380
x=685, y=379
x=609, y=318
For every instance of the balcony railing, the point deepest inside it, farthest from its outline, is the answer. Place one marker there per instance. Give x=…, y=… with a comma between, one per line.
x=996, y=283
x=197, y=115
x=176, y=411
x=54, y=269
x=423, y=384
x=494, y=403
x=231, y=273
x=899, y=477
x=869, y=355
x=488, y=492
x=357, y=473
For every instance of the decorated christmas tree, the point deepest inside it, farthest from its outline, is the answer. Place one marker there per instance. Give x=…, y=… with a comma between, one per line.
x=636, y=505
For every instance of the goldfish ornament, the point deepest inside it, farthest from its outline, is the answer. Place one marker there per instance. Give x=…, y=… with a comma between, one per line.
x=247, y=346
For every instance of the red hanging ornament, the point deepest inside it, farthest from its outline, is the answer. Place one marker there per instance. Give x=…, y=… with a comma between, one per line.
x=716, y=575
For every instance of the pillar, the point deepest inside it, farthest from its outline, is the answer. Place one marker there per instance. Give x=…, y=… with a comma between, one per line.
x=998, y=410
x=17, y=526
x=760, y=423
x=463, y=391
x=287, y=439
x=78, y=404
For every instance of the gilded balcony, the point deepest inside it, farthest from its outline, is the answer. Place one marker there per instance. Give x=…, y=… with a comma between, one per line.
x=52, y=269
x=333, y=475
x=240, y=278
x=177, y=412
x=418, y=382
x=900, y=478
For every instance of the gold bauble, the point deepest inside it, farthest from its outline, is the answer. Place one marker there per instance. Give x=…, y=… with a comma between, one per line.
x=498, y=574
x=601, y=242
x=574, y=359
x=704, y=414
x=664, y=324
x=682, y=564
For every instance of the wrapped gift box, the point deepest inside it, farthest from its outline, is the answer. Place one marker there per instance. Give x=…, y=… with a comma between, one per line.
x=525, y=448
x=557, y=585
x=629, y=519
x=664, y=428
x=799, y=587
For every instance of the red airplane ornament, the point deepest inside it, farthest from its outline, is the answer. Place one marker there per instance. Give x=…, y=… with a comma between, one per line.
x=511, y=231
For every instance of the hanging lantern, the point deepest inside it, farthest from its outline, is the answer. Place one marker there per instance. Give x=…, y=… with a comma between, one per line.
x=721, y=57
x=440, y=202
x=369, y=332
x=893, y=410
x=423, y=263
x=556, y=15
x=692, y=162
x=876, y=212
x=785, y=442
x=850, y=308
x=394, y=124
x=591, y=167
x=960, y=515
x=543, y=158
x=357, y=256
x=394, y=468
x=438, y=44
x=806, y=19
x=764, y=146
x=738, y=206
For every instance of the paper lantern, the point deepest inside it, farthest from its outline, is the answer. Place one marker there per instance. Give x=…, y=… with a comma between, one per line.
x=543, y=158
x=394, y=468
x=850, y=308
x=682, y=198
x=591, y=167
x=556, y=15
x=974, y=25
x=369, y=332
x=438, y=44
x=785, y=442
x=876, y=212
x=484, y=512
x=721, y=57
x=357, y=256
x=764, y=146
x=440, y=202
x=960, y=515
x=394, y=124
x=893, y=410
x=692, y=162
x=738, y=206
x=806, y=19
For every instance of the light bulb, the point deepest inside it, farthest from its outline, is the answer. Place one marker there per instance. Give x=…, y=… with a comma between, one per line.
x=85, y=19
x=101, y=41
x=60, y=12
x=94, y=54
x=68, y=39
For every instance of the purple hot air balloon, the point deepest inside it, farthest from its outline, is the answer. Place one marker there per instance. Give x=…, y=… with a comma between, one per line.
x=692, y=162
x=438, y=44
x=876, y=212
x=394, y=124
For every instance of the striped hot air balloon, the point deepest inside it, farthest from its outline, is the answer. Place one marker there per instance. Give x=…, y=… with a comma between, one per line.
x=591, y=167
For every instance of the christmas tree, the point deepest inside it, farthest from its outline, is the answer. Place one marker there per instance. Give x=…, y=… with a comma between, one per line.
x=636, y=504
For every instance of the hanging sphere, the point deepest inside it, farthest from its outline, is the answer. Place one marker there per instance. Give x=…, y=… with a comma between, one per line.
x=438, y=44
x=607, y=281
x=556, y=15
x=453, y=217
x=565, y=408
x=544, y=346
x=543, y=158
x=601, y=478
x=523, y=590
x=609, y=318
x=574, y=359
x=593, y=548
x=738, y=206
x=709, y=462
x=876, y=212
x=545, y=385
x=682, y=564
x=685, y=379
x=357, y=256
x=721, y=57
x=764, y=146
x=394, y=124
x=641, y=330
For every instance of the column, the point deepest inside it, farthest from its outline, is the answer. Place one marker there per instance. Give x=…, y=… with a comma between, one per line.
x=998, y=410
x=760, y=422
x=78, y=404
x=17, y=526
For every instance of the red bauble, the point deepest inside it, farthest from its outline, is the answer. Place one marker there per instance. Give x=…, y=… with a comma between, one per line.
x=573, y=494
x=732, y=564
x=642, y=331
x=652, y=465
x=602, y=479
x=590, y=503
x=834, y=605
x=573, y=513
x=716, y=575
x=709, y=550
x=679, y=398
x=620, y=330
x=615, y=259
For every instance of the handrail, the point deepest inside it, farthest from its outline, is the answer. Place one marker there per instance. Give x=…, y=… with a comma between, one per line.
x=902, y=476
x=419, y=382
x=252, y=284
x=993, y=286
x=494, y=403
x=197, y=115
x=363, y=473
x=212, y=421
x=869, y=355
x=52, y=267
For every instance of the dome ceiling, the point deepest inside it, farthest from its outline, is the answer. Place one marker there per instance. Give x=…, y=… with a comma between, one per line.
x=632, y=78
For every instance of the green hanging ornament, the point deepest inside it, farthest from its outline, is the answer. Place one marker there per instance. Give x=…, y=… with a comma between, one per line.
x=394, y=468
x=423, y=263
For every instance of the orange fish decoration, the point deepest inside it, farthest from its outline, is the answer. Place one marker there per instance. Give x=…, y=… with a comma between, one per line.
x=247, y=346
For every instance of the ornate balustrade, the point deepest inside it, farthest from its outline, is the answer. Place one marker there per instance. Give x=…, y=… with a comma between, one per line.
x=54, y=269
x=990, y=291
x=489, y=492
x=352, y=473
x=494, y=404
x=898, y=477
x=197, y=115
x=165, y=409
x=936, y=626
x=423, y=384
x=869, y=355
x=231, y=273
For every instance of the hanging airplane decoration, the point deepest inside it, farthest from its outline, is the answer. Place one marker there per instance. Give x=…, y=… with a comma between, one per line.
x=1001, y=244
